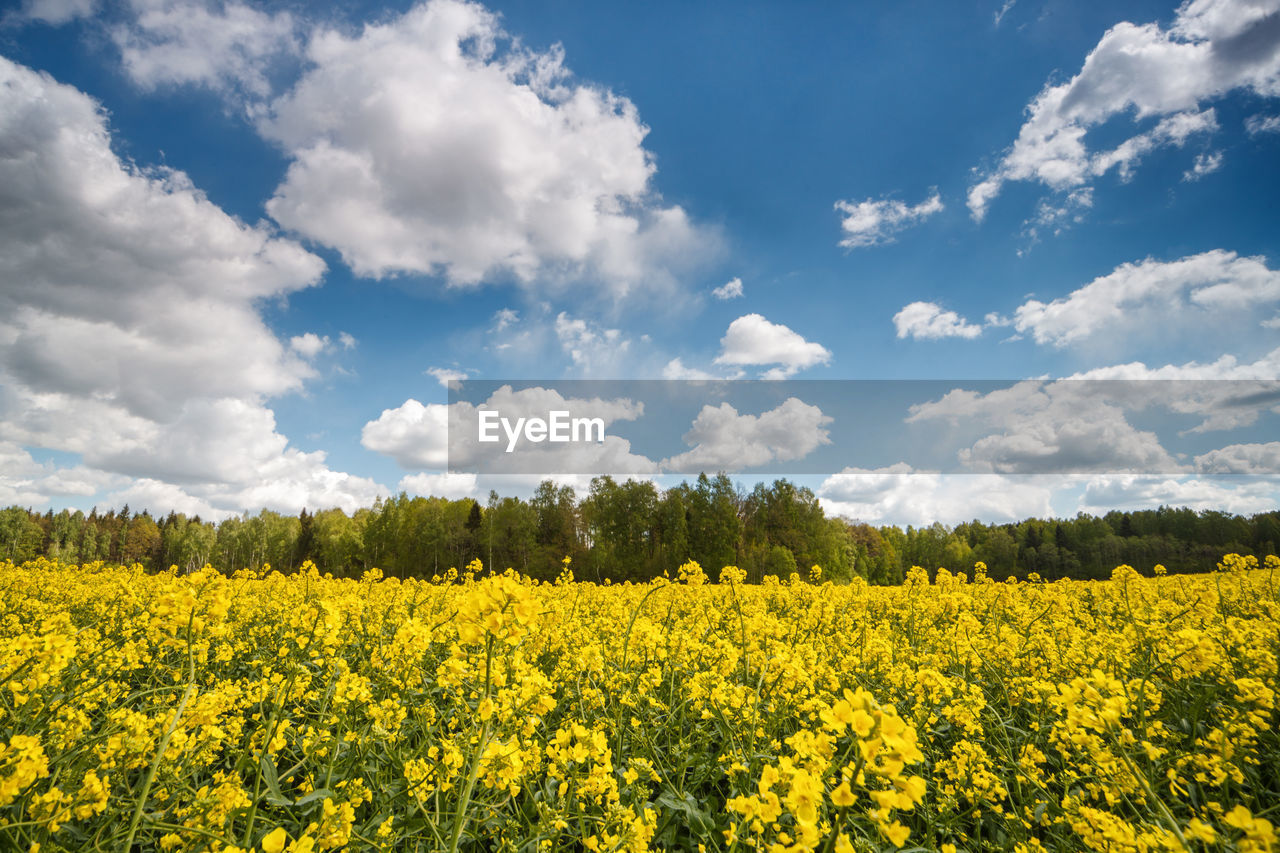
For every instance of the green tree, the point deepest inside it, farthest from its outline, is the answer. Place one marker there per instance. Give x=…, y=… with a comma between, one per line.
x=141, y=542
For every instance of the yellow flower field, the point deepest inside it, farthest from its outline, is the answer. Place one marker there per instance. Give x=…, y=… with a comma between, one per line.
x=304, y=713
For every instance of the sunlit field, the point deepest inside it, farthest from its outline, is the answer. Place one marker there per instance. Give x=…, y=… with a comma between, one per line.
x=481, y=712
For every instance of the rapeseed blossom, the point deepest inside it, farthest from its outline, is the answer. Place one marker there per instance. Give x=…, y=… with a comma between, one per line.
x=486, y=711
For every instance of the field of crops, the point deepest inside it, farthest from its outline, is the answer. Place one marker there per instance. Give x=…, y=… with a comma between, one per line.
x=303, y=713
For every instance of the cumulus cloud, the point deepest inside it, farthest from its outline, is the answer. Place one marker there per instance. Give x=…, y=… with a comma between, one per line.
x=899, y=494
x=1213, y=47
x=129, y=327
x=1258, y=458
x=1048, y=428
x=1198, y=493
x=24, y=481
x=414, y=435
x=1216, y=286
x=100, y=295
x=160, y=497
x=1224, y=367
x=225, y=46
x=1226, y=392
x=439, y=436
x=929, y=321
x=723, y=439
x=309, y=345
x=870, y=222
x=433, y=143
x=452, y=486
x=751, y=340
x=731, y=289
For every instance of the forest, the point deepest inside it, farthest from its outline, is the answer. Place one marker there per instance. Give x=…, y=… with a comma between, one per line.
x=634, y=531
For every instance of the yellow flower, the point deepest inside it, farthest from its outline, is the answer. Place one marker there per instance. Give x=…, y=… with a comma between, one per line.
x=273, y=841
x=896, y=833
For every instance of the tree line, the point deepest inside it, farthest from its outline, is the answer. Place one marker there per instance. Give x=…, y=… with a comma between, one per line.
x=635, y=531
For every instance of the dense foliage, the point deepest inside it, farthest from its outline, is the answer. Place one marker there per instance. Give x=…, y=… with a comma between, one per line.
x=304, y=713
x=633, y=531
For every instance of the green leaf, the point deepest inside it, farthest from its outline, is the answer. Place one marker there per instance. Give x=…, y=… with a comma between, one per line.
x=317, y=794
x=272, y=778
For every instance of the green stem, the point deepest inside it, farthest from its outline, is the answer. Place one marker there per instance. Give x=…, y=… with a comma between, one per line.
x=460, y=819
x=164, y=741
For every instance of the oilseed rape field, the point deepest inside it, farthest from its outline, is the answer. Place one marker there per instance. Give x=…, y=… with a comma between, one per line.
x=486, y=711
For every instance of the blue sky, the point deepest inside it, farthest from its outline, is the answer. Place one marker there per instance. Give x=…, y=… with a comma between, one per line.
x=243, y=243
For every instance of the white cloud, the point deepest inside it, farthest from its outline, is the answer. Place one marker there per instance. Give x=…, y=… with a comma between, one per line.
x=723, y=439
x=451, y=486
x=1198, y=493
x=504, y=319
x=23, y=481
x=611, y=456
x=414, y=435
x=1072, y=207
x=1263, y=458
x=115, y=276
x=159, y=497
x=751, y=340
x=928, y=321
x=129, y=326
x=296, y=480
x=1224, y=367
x=868, y=223
x=346, y=341
x=1256, y=124
x=445, y=375
x=731, y=289
x=898, y=494
x=431, y=143
x=1226, y=392
x=224, y=452
x=591, y=347
x=309, y=345
x=1174, y=130
x=1216, y=286
x=286, y=483
x=435, y=436
x=1212, y=48
x=1004, y=10
x=55, y=12
x=675, y=369
x=226, y=46
x=1205, y=164
x=1048, y=428
x=1058, y=213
